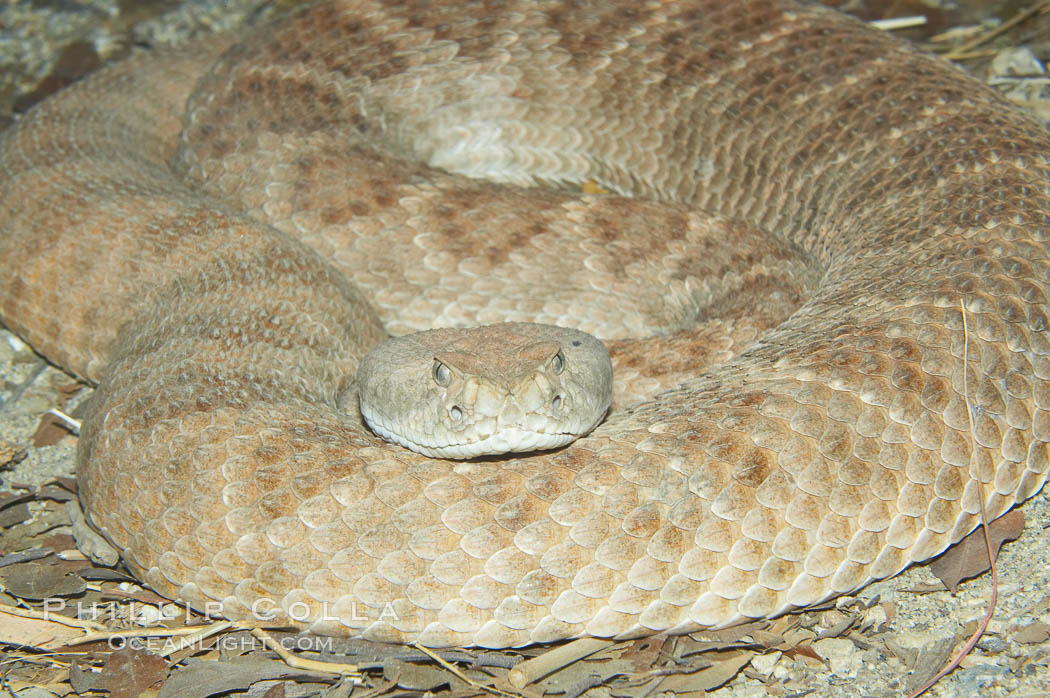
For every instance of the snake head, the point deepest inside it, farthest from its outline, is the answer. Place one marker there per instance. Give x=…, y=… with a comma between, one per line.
x=462, y=393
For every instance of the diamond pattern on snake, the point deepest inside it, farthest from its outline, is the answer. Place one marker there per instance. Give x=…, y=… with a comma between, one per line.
x=768, y=212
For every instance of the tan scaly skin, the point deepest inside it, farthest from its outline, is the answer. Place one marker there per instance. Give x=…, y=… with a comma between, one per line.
x=819, y=195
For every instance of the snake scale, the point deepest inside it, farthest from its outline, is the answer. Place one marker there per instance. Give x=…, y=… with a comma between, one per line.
x=217, y=236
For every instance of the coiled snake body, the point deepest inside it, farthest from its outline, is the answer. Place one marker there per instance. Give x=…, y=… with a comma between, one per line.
x=219, y=266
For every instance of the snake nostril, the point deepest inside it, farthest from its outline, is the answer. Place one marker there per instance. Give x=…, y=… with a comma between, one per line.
x=455, y=413
x=557, y=401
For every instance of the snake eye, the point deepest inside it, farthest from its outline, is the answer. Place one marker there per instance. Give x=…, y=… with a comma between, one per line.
x=558, y=363
x=442, y=376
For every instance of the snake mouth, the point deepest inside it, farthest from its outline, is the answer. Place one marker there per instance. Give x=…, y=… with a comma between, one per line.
x=507, y=440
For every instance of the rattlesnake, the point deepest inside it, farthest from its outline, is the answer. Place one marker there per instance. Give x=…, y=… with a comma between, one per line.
x=217, y=235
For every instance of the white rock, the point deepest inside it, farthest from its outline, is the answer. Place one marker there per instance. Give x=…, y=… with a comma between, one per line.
x=764, y=663
x=842, y=656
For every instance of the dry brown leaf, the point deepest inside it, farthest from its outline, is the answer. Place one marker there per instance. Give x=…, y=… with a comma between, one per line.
x=929, y=660
x=638, y=668
x=767, y=638
x=275, y=691
x=577, y=677
x=198, y=678
x=969, y=557
x=645, y=653
x=38, y=580
x=58, y=541
x=69, y=484
x=806, y=651
x=82, y=675
x=129, y=672
x=1031, y=634
x=12, y=512
x=724, y=666
x=49, y=431
x=417, y=677
x=35, y=632
x=30, y=534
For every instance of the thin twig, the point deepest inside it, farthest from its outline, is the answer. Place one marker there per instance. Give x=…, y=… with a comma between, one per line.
x=70, y=423
x=52, y=617
x=895, y=23
x=452, y=669
x=134, y=632
x=547, y=663
x=350, y=671
x=202, y=633
x=1021, y=16
x=984, y=525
